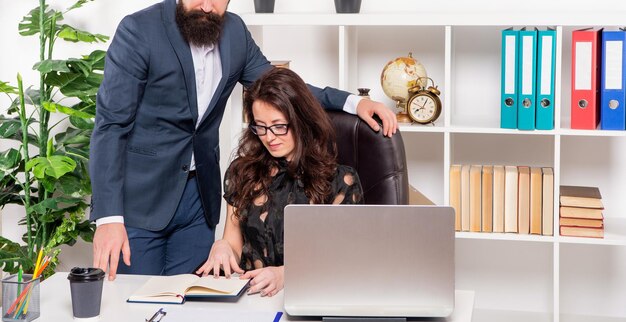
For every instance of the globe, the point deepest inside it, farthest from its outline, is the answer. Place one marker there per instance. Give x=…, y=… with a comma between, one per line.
x=401, y=74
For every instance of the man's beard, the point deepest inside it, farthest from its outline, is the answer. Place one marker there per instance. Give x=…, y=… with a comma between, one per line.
x=197, y=27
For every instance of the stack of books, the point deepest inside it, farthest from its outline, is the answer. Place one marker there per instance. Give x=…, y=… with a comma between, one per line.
x=502, y=199
x=581, y=212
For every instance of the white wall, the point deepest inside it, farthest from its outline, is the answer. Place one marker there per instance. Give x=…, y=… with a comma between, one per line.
x=18, y=53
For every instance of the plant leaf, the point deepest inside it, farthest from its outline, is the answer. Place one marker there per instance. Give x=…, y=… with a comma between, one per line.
x=76, y=139
x=49, y=148
x=81, y=123
x=50, y=107
x=72, y=112
x=60, y=79
x=33, y=96
x=9, y=127
x=78, y=4
x=9, y=160
x=6, y=88
x=79, y=66
x=81, y=86
x=86, y=229
x=70, y=185
x=72, y=34
x=72, y=137
x=50, y=65
x=47, y=183
x=70, y=228
x=77, y=152
x=54, y=166
x=96, y=59
x=57, y=203
x=55, y=107
x=30, y=23
x=12, y=255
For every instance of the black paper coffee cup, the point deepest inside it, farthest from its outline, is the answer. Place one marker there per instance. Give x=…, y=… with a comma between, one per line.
x=86, y=289
x=264, y=6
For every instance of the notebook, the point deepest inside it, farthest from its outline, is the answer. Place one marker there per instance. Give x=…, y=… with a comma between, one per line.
x=176, y=289
x=369, y=260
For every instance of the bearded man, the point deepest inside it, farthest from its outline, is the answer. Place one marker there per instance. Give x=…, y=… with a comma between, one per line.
x=154, y=159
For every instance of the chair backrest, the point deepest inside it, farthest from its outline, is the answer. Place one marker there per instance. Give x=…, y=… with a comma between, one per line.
x=380, y=161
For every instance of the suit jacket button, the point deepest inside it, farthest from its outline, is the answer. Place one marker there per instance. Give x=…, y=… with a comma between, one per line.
x=185, y=168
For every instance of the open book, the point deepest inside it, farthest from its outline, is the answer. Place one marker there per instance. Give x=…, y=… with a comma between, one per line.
x=175, y=289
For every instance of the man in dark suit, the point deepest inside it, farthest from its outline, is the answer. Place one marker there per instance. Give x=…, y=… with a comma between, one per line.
x=154, y=160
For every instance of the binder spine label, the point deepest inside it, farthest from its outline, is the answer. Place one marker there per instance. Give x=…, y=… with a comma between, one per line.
x=546, y=66
x=583, y=66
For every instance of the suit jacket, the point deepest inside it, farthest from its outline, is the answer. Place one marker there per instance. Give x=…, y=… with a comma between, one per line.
x=145, y=126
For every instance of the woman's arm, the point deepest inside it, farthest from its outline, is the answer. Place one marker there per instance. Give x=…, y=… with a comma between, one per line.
x=226, y=252
x=232, y=232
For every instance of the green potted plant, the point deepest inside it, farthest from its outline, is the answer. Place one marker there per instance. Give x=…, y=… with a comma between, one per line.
x=47, y=171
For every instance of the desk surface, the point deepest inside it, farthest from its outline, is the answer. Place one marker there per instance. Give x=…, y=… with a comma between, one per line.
x=56, y=304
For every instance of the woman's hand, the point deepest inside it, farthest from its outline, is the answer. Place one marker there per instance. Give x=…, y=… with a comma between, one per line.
x=267, y=280
x=221, y=255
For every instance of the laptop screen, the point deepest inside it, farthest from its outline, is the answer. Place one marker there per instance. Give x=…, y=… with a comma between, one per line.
x=369, y=260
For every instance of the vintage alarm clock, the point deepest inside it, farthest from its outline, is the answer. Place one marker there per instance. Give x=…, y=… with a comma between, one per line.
x=424, y=105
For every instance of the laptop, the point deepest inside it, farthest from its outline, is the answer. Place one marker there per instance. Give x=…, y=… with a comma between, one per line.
x=369, y=260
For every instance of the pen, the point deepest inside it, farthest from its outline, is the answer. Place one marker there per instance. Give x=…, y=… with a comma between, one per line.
x=158, y=315
x=38, y=262
x=19, y=280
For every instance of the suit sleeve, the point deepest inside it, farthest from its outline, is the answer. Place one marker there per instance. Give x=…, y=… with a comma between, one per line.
x=119, y=95
x=256, y=64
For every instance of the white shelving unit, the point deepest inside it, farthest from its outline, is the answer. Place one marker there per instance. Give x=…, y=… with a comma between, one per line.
x=516, y=277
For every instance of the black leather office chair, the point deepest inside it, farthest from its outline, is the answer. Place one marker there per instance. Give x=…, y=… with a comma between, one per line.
x=380, y=161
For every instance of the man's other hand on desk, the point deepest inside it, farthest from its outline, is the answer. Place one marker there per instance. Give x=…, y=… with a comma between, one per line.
x=108, y=242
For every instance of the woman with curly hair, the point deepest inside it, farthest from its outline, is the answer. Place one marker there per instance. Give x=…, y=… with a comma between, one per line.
x=287, y=156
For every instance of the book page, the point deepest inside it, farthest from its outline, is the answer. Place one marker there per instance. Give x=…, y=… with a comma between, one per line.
x=164, y=288
x=209, y=285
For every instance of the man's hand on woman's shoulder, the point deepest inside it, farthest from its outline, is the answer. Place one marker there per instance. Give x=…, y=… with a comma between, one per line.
x=368, y=108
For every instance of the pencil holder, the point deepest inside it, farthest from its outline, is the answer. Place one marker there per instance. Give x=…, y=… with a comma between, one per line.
x=20, y=299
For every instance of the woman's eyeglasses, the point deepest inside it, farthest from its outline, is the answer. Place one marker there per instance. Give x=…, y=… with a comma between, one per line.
x=277, y=129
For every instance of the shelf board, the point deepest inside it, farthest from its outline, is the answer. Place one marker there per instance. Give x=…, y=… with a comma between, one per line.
x=477, y=17
x=504, y=236
x=586, y=318
x=614, y=234
x=481, y=125
x=485, y=129
x=485, y=315
x=570, y=132
x=404, y=127
x=491, y=130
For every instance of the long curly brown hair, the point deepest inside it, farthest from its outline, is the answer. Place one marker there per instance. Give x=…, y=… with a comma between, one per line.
x=314, y=160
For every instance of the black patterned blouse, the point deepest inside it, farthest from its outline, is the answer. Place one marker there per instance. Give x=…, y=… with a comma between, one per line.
x=262, y=223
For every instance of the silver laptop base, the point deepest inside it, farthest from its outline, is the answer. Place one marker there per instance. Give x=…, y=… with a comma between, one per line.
x=357, y=319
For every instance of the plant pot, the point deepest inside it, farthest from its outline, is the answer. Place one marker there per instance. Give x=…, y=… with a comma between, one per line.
x=264, y=6
x=347, y=6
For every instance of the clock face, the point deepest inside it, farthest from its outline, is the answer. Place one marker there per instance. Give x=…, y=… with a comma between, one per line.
x=423, y=108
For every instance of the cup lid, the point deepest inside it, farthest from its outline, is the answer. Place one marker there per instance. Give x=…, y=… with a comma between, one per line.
x=80, y=274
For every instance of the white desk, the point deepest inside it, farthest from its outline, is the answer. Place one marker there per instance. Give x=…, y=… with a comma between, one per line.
x=56, y=305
